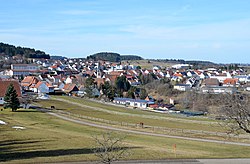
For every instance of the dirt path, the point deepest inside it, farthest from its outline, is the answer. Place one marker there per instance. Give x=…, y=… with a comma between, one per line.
x=135, y=115
x=144, y=133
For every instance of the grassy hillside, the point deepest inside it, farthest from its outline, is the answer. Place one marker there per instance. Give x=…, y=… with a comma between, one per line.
x=49, y=139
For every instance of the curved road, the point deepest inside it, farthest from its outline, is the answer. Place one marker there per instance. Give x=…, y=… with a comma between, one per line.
x=145, y=133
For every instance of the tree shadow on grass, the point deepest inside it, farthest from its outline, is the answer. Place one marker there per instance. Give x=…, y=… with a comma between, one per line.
x=26, y=110
x=42, y=153
x=7, y=154
x=10, y=145
x=16, y=142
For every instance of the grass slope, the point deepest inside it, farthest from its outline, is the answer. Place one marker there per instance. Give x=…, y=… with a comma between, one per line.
x=49, y=139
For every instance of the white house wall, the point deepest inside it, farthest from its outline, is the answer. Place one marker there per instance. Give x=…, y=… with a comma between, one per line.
x=1, y=100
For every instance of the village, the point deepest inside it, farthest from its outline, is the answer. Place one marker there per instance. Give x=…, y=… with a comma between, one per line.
x=44, y=77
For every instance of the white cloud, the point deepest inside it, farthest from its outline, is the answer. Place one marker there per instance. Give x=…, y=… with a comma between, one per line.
x=221, y=31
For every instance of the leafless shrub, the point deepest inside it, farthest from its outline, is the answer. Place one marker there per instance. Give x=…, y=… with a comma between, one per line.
x=110, y=147
x=236, y=110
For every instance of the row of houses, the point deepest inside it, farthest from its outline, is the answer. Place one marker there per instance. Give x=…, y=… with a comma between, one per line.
x=68, y=76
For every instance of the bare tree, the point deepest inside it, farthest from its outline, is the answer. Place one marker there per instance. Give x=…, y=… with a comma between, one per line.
x=110, y=147
x=195, y=101
x=236, y=109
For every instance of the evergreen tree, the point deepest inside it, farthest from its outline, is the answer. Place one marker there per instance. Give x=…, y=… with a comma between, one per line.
x=10, y=98
x=143, y=93
x=108, y=90
x=122, y=85
x=89, y=85
x=131, y=92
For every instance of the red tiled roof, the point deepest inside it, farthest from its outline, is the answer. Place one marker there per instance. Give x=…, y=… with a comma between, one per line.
x=178, y=75
x=230, y=81
x=99, y=81
x=29, y=80
x=69, y=87
x=4, y=84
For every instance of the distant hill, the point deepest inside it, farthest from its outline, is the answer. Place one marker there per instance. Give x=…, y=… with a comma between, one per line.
x=57, y=57
x=131, y=57
x=11, y=50
x=113, y=57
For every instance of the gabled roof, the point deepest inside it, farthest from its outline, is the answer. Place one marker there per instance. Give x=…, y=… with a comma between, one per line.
x=230, y=81
x=99, y=81
x=70, y=87
x=4, y=84
x=29, y=80
x=212, y=82
x=177, y=74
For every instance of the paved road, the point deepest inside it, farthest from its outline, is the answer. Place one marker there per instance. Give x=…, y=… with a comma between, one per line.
x=145, y=133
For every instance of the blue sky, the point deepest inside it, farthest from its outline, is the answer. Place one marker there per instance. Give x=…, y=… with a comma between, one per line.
x=213, y=30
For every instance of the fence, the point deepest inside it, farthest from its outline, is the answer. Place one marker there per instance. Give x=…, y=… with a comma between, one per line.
x=164, y=130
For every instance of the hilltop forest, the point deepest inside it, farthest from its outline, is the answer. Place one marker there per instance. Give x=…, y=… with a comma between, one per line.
x=113, y=57
x=10, y=51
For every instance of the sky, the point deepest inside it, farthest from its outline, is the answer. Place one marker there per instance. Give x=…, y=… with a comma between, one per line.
x=210, y=30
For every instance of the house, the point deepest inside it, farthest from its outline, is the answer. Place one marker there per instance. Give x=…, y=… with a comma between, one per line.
x=132, y=102
x=149, y=98
x=41, y=87
x=4, y=86
x=191, y=74
x=182, y=87
x=18, y=70
x=139, y=103
x=181, y=66
x=70, y=88
x=221, y=76
x=201, y=74
x=230, y=82
x=29, y=82
x=177, y=76
x=218, y=89
x=123, y=101
x=243, y=78
x=211, y=82
x=191, y=81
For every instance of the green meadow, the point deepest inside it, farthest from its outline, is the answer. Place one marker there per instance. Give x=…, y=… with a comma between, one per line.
x=49, y=139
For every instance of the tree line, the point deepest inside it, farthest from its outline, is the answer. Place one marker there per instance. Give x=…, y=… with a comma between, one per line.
x=11, y=51
x=112, y=57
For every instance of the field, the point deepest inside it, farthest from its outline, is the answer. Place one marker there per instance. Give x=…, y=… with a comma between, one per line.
x=50, y=139
x=147, y=64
